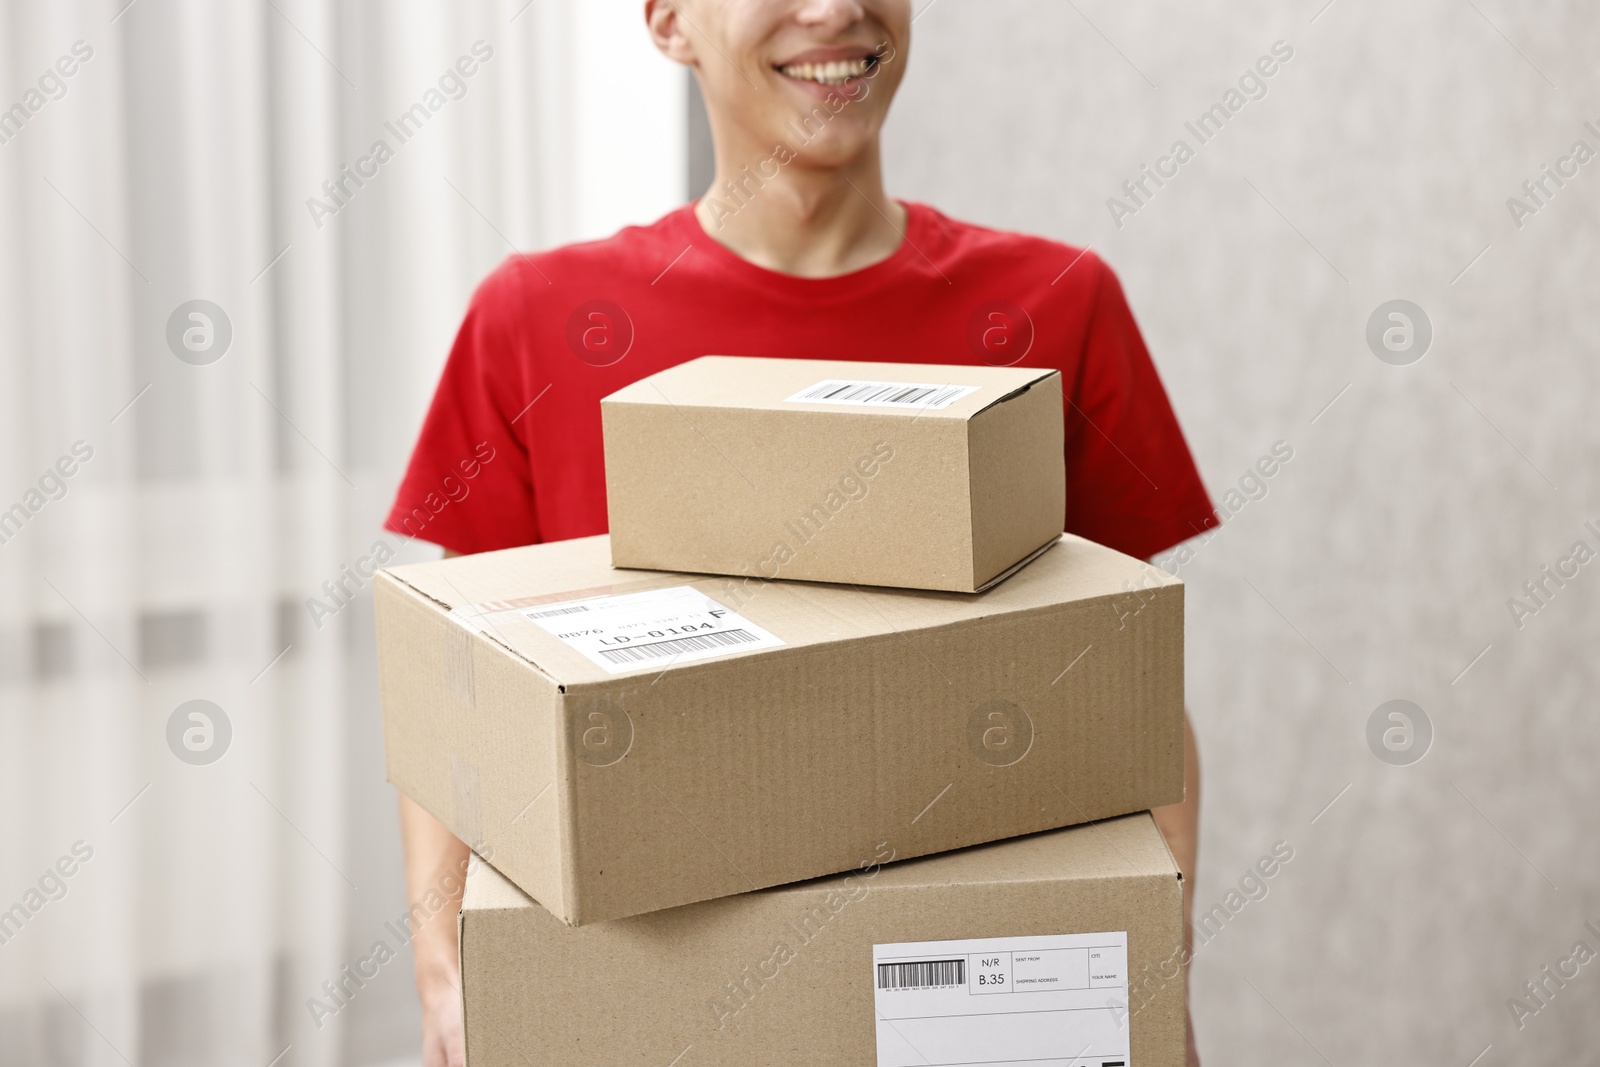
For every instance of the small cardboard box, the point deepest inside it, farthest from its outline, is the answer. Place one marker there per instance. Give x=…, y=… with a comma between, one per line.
x=1063, y=948
x=627, y=741
x=892, y=474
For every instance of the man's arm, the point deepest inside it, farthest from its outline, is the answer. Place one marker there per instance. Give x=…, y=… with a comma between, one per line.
x=1180, y=825
x=436, y=863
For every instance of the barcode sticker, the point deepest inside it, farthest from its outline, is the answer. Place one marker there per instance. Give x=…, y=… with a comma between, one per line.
x=931, y=974
x=675, y=647
x=651, y=630
x=907, y=396
x=551, y=613
x=1052, y=1000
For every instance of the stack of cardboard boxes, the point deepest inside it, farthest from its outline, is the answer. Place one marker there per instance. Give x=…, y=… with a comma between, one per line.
x=835, y=628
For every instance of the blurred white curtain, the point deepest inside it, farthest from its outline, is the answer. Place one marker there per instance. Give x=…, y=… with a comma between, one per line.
x=155, y=908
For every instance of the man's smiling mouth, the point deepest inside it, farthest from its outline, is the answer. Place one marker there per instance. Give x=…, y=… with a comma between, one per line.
x=834, y=73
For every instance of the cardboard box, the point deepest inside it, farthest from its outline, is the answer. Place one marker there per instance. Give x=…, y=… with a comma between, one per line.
x=839, y=972
x=691, y=737
x=893, y=474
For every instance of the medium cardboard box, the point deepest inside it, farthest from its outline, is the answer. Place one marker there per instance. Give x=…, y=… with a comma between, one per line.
x=1024, y=951
x=895, y=474
x=627, y=741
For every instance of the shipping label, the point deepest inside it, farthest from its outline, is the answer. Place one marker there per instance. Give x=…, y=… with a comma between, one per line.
x=1055, y=1000
x=654, y=629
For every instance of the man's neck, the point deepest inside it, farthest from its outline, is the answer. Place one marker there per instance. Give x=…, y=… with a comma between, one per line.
x=807, y=221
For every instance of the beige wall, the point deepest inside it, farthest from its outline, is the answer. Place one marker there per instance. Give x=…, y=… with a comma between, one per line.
x=1380, y=562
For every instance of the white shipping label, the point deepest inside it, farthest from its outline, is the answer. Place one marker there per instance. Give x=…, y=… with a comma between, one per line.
x=654, y=629
x=1055, y=1000
x=907, y=396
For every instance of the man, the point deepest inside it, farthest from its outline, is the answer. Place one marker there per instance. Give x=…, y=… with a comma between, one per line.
x=795, y=251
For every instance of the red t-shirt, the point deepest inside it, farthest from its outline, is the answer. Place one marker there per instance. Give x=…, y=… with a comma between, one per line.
x=510, y=452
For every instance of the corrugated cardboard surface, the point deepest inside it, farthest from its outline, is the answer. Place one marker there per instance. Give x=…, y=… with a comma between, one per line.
x=949, y=719
x=1014, y=456
x=655, y=989
x=708, y=469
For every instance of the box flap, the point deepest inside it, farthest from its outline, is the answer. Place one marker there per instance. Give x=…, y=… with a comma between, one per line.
x=490, y=592
x=1126, y=847
x=1129, y=846
x=767, y=384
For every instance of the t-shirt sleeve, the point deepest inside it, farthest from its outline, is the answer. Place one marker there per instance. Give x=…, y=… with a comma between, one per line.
x=1131, y=481
x=469, y=485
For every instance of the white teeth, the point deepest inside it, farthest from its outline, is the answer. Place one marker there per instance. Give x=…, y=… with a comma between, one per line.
x=835, y=73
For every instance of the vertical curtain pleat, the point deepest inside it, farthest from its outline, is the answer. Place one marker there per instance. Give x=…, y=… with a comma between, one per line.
x=181, y=561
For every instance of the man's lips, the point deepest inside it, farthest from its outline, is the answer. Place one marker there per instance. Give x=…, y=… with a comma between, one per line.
x=830, y=53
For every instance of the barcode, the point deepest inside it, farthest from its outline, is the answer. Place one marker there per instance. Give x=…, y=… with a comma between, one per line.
x=937, y=974
x=893, y=394
x=557, y=611
x=678, y=646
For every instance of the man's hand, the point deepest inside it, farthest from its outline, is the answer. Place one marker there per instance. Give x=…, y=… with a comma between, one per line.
x=443, y=1043
x=436, y=865
x=436, y=870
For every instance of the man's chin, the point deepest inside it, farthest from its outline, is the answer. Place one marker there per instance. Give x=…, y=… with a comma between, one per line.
x=828, y=150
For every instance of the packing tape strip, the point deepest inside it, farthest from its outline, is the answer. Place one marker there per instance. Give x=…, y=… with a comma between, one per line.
x=470, y=614
x=466, y=801
x=458, y=663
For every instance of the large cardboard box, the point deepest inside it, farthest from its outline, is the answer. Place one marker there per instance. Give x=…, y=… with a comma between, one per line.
x=627, y=741
x=1063, y=949
x=926, y=477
